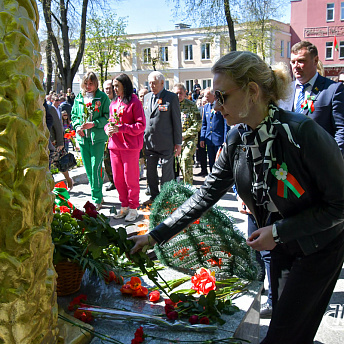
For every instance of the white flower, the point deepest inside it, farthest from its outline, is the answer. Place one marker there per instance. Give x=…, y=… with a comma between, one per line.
x=281, y=174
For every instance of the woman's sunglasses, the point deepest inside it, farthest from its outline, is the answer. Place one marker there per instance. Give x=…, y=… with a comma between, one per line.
x=220, y=96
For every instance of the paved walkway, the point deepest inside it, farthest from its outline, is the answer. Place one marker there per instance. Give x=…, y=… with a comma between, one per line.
x=331, y=330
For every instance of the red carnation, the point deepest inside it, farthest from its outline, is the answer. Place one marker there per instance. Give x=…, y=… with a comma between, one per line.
x=154, y=296
x=77, y=214
x=64, y=209
x=204, y=320
x=193, y=319
x=139, y=332
x=168, y=309
x=172, y=315
x=89, y=205
x=92, y=213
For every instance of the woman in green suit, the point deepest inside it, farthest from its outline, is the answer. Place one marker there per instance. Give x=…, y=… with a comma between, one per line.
x=90, y=113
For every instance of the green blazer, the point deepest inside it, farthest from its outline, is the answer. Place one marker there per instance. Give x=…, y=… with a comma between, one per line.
x=99, y=118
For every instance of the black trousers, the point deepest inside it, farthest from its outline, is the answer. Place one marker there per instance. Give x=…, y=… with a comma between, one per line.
x=299, y=304
x=152, y=172
x=201, y=156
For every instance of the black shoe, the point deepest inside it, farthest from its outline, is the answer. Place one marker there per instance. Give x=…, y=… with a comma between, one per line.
x=111, y=187
x=202, y=174
x=148, y=202
x=265, y=311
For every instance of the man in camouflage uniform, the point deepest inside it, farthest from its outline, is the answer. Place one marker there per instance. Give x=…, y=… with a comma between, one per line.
x=191, y=125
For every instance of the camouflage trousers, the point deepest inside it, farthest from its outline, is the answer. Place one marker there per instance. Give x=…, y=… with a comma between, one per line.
x=186, y=160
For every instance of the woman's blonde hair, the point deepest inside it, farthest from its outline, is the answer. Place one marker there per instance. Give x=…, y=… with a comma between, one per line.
x=88, y=76
x=244, y=67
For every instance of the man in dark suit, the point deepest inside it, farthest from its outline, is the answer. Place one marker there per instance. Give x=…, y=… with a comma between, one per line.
x=317, y=97
x=214, y=128
x=163, y=134
x=322, y=98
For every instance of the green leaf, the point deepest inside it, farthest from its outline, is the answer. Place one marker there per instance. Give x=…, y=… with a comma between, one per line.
x=122, y=233
x=211, y=297
x=175, y=297
x=185, y=291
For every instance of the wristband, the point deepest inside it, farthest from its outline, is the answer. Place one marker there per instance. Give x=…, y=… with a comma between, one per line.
x=149, y=243
x=275, y=235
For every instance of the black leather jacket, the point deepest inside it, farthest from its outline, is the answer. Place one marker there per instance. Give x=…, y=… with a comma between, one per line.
x=313, y=220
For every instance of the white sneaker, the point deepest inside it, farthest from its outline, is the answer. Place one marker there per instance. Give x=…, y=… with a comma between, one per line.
x=132, y=215
x=99, y=205
x=123, y=213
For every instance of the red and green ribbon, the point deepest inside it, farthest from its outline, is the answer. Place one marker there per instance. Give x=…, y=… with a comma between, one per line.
x=286, y=180
x=62, y=196
x=308, y=103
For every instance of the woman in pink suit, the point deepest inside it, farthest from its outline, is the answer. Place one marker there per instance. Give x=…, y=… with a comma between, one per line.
x=125, y=130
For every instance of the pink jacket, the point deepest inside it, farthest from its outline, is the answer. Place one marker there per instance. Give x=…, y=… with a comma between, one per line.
x=131, y=126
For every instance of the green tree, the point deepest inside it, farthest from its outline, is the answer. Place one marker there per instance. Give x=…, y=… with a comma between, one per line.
x=59, y=18
x=257, y=25
x=106, y=42
x=208, y=13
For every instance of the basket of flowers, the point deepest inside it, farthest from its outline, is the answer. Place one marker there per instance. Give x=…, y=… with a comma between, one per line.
x=83, y=240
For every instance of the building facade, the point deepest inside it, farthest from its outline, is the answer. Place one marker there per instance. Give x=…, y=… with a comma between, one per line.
x=322, y=23
x=185, y=54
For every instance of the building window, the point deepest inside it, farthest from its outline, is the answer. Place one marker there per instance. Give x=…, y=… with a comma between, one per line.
x=147, y=57
x=282, y=48
x=189, y=85
x=206, y=83
x=288, y=49
x=188, y=54
x=167, y=84
x=205, y=50
x=164, y=54
x=341, y=49
x=330, y=12
x=342, y=11
x=329, y=51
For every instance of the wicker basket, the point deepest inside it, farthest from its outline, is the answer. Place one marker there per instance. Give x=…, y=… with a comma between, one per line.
x=69, y=278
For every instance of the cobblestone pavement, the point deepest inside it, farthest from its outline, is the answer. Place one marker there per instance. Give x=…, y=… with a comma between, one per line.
x=331, y=330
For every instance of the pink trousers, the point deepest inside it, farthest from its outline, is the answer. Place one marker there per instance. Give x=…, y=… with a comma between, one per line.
x=126, y=176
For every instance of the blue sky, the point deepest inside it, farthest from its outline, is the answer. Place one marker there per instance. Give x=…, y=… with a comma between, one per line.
x=146, y=15
x=153, y=15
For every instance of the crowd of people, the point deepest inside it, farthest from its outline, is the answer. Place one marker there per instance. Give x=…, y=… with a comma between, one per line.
x=278, y=143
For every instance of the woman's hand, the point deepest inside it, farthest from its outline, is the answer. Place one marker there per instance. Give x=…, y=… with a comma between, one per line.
x=141, y=241
x=262, y=239
x=80, y=132
x=111, y=129
x=87, y=125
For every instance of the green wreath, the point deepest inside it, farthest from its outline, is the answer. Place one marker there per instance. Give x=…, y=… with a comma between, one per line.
x=210, y=242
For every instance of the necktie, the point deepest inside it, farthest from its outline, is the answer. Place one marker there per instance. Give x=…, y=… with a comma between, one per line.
x=301, y=97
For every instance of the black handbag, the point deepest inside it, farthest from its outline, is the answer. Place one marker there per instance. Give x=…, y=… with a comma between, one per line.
x=66, y=161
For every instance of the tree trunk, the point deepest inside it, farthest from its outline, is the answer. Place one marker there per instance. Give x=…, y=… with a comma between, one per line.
x=49, y=66
x=230, y=25
x=28, y=307
x=64, y=66
x=82, y=39
x=101, y=74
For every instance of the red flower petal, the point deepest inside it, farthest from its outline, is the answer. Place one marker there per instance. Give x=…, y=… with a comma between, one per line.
x=204, y=320
x=154, y=296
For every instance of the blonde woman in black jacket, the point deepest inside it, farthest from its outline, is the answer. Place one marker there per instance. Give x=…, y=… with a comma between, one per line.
x=289, y=172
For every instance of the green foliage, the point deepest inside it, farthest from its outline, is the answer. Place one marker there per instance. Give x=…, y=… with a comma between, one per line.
x=257, y=34
x=205, y=305
x=95, y=245
x=105, y=42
